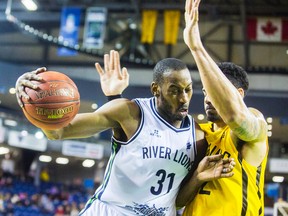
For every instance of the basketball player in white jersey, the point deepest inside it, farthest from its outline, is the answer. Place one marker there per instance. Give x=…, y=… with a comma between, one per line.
x=155, y=143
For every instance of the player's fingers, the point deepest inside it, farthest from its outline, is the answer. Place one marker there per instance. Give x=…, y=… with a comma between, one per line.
x=99, y=69
x=196, y=3
x=21, y=93
x=188, y=5
x=117, y=64
x=40, y=70
x=28, y=83
x=227, y=175
x=32, y=76
x=20, y=102
x=111, y=62
x=227, y=170
x=125, y=73
x=214, y=158
x=106, y=63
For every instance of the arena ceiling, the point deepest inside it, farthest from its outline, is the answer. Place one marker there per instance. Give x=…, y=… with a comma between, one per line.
x=121, y=14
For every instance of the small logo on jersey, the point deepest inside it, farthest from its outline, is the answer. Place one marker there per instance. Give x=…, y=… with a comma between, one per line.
x=188, y=146
x=155, y=133
x=144, y=209
x=223, y=135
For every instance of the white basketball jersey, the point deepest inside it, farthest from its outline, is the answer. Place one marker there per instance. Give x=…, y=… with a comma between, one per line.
x=144, y=174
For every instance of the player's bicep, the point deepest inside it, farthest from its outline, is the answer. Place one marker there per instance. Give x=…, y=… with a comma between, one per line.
x=252, y=127
x=88, y=124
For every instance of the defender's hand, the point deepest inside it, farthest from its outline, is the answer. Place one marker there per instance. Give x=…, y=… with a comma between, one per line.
x=113, y=79
x=215, y=167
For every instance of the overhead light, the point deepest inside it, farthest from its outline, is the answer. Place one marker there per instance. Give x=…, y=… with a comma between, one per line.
x=29, y=4
x=24, y=133
x=3, y=150
x=278, y=178
x=45, y=158
x=94, y=106
x=61, y=160
x=10, y=122
x=269, y=133
x=200, y=117
x=12, y=91
x=39, y=135
x=88, y=163
x=269, y=120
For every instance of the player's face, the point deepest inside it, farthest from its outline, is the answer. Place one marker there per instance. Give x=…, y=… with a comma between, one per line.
x=175, y=95
x=211, y=113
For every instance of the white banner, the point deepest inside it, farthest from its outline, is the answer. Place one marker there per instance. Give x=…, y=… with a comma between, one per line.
x=278, y=165
x=95, y=27
x=82, y=149
x=2, y=134
x=28, y=142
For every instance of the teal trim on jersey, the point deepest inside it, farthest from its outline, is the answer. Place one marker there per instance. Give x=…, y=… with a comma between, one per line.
x=115, y=149
x=88, y=204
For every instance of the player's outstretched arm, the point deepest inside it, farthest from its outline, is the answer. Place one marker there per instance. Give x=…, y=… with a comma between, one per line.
x=210, y=168
x=86, y=124
x=246, y=125
x=25, y=81
x=113, y=79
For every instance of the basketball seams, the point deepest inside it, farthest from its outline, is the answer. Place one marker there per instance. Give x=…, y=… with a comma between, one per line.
x=29, y=91
x=54, y=104
x=43, y=121
x=63, y=81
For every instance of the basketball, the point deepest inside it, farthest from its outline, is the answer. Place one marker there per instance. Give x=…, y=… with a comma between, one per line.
x=54, y=103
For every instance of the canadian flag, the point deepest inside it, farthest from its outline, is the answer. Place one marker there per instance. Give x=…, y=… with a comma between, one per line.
x=267, y=29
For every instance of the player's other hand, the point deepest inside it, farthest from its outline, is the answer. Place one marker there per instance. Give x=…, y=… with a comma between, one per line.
x=113, y=79
x=215, y=167
x=25, y=80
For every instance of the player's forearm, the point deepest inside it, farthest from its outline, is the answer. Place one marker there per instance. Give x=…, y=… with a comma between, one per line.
x=219, y=89
x=188, y=191
x=53, y=134
x=222, y=92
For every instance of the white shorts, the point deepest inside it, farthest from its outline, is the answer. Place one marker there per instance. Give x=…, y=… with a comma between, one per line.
x=100, y=209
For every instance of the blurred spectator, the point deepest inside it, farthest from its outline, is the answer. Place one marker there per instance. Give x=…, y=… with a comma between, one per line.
x=60, y=211
x=8, y=166
x=74, y=209
x=2, y=208
x=44, y=175
x=46, y=203
x=47, y=199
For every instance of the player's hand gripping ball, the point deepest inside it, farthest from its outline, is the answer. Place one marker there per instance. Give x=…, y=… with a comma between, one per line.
x=54, y=103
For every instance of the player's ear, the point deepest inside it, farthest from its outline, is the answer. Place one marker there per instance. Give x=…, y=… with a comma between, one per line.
x=155, y=89
x=241, y=91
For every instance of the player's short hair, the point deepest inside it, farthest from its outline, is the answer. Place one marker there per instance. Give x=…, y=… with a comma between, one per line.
x=167, y=65
x=236, y=74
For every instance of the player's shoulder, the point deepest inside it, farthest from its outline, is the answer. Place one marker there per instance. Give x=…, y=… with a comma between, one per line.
x=122, y=107
x=199, y=131
x=256, y=112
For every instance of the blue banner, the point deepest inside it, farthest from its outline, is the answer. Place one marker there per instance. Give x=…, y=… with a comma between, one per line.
x=70, y=22
x=95, y=27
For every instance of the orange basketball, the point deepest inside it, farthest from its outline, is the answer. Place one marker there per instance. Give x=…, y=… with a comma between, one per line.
x=54, y=104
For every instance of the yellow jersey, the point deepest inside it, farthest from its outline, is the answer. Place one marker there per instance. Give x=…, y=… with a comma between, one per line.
x=239, y=195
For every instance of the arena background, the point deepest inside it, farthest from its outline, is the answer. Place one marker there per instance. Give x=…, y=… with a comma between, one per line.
x=29, y=39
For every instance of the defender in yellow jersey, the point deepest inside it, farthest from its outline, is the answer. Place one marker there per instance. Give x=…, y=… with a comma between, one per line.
x=241, y=194
x=234, y=130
